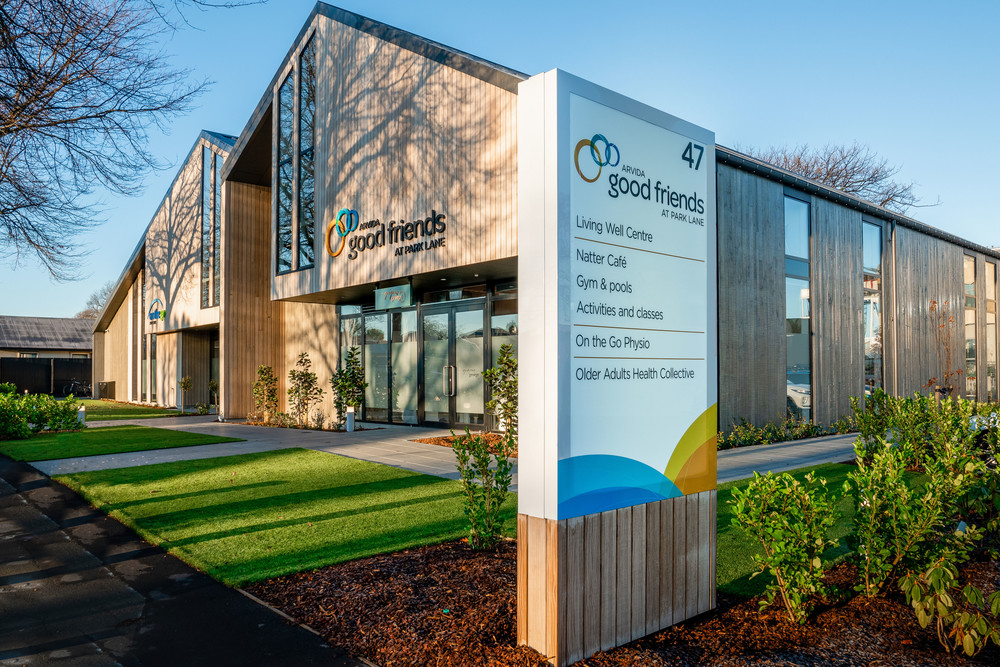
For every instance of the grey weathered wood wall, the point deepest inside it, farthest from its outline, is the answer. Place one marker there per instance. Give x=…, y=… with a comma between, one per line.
x=751, y=298
x=837, y=298
x=926, y=269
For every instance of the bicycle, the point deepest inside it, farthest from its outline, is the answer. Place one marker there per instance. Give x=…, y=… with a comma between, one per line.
x=77, y=388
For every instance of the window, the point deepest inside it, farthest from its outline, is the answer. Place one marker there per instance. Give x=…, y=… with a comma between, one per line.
x=79, y=355
x=872, y=277
x=27, y=355
x=970, y=326
x=152, y=368
x=211, y=228
x=798, y=361
x=294, y=199
x=206, y=226
x=306, y=189
x=217, y=227
x=991, y=331
x=283, y=214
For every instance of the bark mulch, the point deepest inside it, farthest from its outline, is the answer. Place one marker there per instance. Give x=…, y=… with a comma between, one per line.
x=449, y=605
x=492, y=439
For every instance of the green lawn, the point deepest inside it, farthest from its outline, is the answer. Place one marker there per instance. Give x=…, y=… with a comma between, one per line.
x=246, y=518
x=103, y=440
x=250, y=517
x=735, y=550
x=99, y=410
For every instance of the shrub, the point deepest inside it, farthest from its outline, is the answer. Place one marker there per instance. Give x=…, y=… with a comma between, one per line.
x=265, y=394
x=502, y=383
x=348, y=385
x=13, y=418
x=898, y=529
x=960, y=618
x=203, y=409
x=485, y=478
x=746, y=434
x=303, y=390
x=8, y=388
x=790, y=520
x=873, y=417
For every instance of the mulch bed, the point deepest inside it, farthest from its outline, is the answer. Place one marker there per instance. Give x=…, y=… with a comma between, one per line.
x=492, y=439
x=448, y=605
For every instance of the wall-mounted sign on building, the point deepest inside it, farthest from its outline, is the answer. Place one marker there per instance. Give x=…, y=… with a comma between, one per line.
x=617, y=275
x=400, y=296
x=157, y=312
x=347, y=232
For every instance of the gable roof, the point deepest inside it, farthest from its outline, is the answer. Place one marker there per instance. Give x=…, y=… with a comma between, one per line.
x=46, y=333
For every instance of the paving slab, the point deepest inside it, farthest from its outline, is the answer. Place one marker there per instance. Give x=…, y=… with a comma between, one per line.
x=79, y=588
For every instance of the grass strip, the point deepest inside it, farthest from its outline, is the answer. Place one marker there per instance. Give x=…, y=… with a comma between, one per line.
x=103, y=440
x=98, y=410
x=255, y=516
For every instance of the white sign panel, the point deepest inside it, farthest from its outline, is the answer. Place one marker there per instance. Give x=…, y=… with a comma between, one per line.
x=634, y=253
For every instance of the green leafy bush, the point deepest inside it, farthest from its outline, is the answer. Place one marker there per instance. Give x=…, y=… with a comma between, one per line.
x=960, y=617
x=485, y=478
x=791, y=521
x=348, y=385
x=8, y=388
x=13, y=418
x=746, y=434
x=265, y=394
x=303, y=390
x=502, y=383
x=203, y=409
x=24, y=414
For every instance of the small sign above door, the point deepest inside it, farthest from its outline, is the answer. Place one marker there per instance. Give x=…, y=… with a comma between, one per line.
x=399, y=296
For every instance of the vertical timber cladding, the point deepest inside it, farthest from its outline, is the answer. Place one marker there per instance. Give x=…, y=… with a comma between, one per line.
x=618, y=410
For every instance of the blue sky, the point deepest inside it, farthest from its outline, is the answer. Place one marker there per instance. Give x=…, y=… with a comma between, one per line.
x=916, y=81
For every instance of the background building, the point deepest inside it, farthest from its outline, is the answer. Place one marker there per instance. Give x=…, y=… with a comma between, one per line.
x=45, y=354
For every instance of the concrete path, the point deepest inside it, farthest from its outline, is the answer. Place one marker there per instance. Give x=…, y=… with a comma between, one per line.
x=382, y=443
x=78, y=588
x=394, y=445
x=744, y=461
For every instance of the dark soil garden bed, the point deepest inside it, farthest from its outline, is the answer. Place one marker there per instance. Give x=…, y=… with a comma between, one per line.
x=449, y=605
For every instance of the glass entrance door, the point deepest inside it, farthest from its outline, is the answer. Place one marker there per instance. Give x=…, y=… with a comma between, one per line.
x=452, y=359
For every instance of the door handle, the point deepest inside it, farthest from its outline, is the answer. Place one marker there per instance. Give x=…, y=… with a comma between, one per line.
x=451, y=380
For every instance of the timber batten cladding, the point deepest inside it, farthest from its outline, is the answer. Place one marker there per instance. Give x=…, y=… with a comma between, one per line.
x=614, y=576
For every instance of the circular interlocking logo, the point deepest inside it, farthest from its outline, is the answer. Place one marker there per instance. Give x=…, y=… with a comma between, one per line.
x=602, y=158
x=345, y=223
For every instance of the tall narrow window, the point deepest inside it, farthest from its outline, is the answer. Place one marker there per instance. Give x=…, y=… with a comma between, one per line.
x=991, y=331
x=142, y=327
x=872, y=260
x=970, y=326
x=206, y=226
x=283, y=212
x=152, y=368
x=798, y=366
x=217, y=230
x=306, y=190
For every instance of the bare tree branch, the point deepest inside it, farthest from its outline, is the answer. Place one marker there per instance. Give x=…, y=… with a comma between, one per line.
x=96, y=301
x=854, y=169
x=82, y=85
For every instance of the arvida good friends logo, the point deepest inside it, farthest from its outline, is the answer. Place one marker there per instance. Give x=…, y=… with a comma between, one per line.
x=346, y=231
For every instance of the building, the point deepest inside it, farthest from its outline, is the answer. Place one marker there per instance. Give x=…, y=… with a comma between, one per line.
x=46, y=354
x=371, y=200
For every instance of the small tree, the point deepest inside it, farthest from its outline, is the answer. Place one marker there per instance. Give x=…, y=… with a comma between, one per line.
x=502, y=381
x=265, y=394
x=944, y=325
x=303, y=390
x=213, y=392
x=485, y=476
x=186, y=384
x=348, y=385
